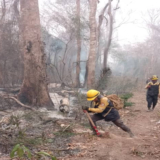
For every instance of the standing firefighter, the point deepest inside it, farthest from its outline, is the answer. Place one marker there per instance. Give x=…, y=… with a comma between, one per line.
x=104, y=109
x=153, y=92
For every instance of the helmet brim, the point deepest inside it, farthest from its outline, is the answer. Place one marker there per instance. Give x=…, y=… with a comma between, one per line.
x=154, y=78
x=91, y=99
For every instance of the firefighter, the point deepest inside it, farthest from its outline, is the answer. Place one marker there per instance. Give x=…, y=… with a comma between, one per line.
x=104, y=110
x=153, y=92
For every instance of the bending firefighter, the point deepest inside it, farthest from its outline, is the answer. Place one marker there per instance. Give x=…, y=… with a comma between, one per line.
x=105, y=110
x=153, y=92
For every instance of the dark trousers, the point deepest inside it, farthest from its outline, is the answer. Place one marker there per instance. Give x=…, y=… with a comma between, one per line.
x=152, y=100
x=118, y=122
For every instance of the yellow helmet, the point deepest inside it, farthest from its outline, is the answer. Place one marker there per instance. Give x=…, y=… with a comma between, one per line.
x=154, y=77
x=92, y=94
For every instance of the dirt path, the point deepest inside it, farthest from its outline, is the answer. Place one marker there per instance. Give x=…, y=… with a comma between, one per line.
x=119, y=146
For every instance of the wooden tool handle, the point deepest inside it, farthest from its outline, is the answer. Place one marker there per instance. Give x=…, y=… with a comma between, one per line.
x=90, y=119
x=93, y=125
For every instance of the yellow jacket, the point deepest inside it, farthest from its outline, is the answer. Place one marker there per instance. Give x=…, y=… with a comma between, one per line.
x=101, y=106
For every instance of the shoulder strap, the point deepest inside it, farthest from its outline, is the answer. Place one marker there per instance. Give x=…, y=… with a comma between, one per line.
x=108, y=112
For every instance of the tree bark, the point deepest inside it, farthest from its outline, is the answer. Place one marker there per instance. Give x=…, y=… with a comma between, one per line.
x=93, y=44
x=34, y=89
x=101, y=17
x=78, y=44
x=2, y=23
x=109, y=38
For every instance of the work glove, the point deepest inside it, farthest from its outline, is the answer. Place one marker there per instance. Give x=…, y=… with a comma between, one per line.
x=85, y=108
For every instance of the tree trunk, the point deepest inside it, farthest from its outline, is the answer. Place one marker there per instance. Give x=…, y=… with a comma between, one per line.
x=78, y=44
x=2, y=23
x=93, y=44
x=34, y=88
x=109, y=39
x=101, y=17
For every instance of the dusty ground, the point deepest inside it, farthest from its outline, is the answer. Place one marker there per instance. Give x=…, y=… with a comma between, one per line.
x=119, y=146
x=116, y=145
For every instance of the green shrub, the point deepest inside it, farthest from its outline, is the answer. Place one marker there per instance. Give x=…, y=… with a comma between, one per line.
x=20, y=151
x=125, y=97
x=126, y=104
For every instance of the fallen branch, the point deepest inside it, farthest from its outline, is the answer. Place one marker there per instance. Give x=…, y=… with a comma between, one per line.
x=71, y=125
x=23, y=105
x=66, y=128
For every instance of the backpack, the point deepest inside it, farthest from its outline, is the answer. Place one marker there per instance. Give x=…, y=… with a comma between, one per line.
x=117, y=101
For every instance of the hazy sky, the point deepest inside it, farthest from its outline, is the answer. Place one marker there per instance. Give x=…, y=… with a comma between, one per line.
x=134, y=10
x=135, y=31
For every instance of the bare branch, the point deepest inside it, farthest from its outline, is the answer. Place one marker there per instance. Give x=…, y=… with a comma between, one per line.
x=15, y=99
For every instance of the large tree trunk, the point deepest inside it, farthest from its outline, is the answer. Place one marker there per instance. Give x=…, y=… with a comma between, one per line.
x=34, y=88
x=78, y=44
x=93, y=44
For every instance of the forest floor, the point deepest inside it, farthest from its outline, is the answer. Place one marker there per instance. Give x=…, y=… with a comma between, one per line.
x=67, y=139
x=119, y=146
